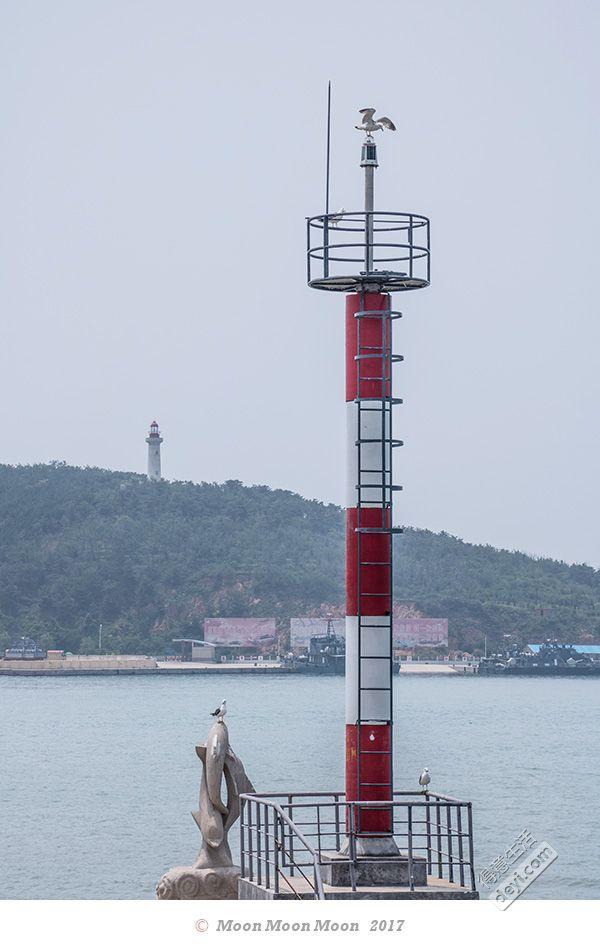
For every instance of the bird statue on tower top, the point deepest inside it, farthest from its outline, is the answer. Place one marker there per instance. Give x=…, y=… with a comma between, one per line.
x=370, y=124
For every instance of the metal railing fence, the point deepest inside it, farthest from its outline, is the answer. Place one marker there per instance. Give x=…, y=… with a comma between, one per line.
x=285, y=838
x=395, y=243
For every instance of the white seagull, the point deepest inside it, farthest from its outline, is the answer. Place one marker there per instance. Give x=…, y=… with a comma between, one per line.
x=424, y=779
x=369, y=124
x=220, y=711
x=334, y=219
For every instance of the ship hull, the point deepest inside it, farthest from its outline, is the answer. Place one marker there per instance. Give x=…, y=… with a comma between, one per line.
x=542, y=671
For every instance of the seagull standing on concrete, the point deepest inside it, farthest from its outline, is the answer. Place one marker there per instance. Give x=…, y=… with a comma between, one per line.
x=424, y=779
x=369, y=124
x=220, y=711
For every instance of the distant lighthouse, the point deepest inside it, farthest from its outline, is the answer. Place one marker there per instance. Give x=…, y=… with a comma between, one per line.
x=154, y=441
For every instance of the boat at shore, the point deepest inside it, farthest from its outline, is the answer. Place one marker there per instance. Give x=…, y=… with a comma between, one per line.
x=326, y=656
x=545, y=659
x=24, y=649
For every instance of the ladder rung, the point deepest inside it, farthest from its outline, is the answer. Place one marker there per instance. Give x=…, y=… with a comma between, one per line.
x=387, y=313
x=379, y=354
x=370, y=722
x=388, y=402
x=379, y=530
x=393, y=443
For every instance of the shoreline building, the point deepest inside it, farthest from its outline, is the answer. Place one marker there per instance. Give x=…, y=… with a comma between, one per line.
x=154, y=441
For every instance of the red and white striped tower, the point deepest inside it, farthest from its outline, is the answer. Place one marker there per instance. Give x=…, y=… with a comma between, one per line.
x=369, y=558
x=369, y=238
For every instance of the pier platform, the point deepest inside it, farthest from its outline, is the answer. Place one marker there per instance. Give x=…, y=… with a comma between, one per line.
x=131, y=665
x=301, y=889
x=247, y=666
x=80, y=665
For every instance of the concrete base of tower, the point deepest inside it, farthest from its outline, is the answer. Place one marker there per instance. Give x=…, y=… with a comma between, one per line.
x=371, y=847
x=392, y=871
x=299, y=888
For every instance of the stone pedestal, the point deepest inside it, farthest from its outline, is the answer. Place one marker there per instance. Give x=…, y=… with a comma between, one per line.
x=209, y=884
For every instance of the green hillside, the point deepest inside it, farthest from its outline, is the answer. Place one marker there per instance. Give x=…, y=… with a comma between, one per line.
x=149, y=561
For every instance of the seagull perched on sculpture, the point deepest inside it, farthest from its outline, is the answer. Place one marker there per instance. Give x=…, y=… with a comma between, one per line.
x=370, y=124
x=220, y=711
x=424, y=780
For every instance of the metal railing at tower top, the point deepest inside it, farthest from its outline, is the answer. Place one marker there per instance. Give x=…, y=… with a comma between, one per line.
x=389, y=249
x=287, y=838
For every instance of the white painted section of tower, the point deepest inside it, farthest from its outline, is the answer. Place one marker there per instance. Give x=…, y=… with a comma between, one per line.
x=374, y=672
x=154, y=459
x=154, y=441
x=374, y=455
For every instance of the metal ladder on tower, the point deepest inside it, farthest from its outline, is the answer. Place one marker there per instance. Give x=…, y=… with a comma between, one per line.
x=377, y=485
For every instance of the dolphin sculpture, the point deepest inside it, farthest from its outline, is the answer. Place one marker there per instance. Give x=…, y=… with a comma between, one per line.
x=214, y=875
x=215, y=817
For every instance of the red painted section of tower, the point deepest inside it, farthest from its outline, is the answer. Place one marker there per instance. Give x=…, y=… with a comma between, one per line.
x=374, y=579
x=376, y=775
x=370, y=336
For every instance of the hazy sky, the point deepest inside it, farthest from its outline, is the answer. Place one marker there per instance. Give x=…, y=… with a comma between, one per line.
x=158, y=161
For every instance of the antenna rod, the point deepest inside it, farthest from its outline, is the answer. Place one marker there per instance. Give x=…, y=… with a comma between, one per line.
x=328, y=146
x=326, y=218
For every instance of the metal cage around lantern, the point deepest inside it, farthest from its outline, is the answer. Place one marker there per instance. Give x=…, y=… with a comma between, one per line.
x=386, y=250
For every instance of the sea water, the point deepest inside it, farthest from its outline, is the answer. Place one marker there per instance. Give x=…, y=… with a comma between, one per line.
x=98, y=775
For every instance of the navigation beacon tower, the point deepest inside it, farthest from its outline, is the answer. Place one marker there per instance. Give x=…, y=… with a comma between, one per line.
x=154, y=441
x=368, y=255
x=371, y=840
